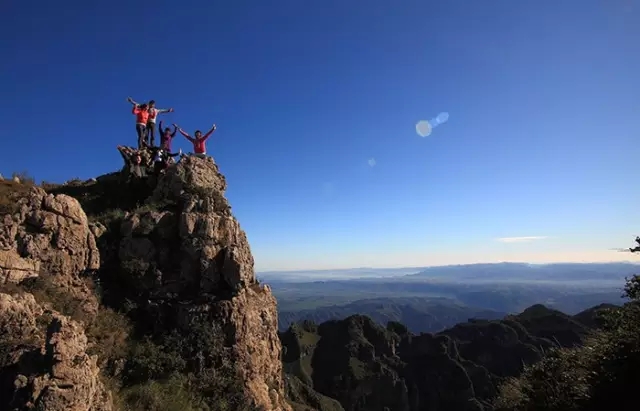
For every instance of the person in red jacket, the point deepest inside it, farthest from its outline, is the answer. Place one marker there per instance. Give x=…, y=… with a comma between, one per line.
x=151, y=120
x=198, y=141
x=141, y=112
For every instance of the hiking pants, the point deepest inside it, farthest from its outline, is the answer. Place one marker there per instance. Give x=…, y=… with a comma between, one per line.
x=142, y=133
x=151, y=133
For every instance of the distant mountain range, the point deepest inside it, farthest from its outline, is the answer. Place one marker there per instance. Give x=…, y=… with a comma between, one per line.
x=474, y=272
x=434, y=298
x=418, y=314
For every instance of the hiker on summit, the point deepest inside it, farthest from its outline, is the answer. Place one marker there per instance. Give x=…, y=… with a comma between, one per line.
x=150, y=135
x=166, y=136
x=133, y=162
x=141, y=112
x=198, y=141
x=161, y=158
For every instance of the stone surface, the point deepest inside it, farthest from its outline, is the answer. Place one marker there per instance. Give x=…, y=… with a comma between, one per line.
x=50, y=367
x=197, y=250
x=49, y=236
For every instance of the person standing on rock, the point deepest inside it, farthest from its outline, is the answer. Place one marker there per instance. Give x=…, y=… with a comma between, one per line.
x=150, y=125
x=141, y=111
x=198, y=141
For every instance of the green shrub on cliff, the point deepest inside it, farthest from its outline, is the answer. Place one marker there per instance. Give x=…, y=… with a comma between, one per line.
x=604, y=371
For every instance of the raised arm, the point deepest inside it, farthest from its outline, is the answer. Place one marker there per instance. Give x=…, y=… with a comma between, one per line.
x=206, y=136
x=175, y=130
x=126, y=153
x=187, y=136
x=130, y=100
x=123, y=152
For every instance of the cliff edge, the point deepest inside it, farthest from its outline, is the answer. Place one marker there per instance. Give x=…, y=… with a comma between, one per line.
x=159, y=294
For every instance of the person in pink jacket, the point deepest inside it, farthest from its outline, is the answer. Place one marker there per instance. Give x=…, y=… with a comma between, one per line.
x=198, y=141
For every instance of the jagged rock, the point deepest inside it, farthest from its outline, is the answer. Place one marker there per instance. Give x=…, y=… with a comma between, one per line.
x=14, y=269
x=49, y=236
x=45, y=364
x=212, y=250
x=97, y=229
x=251, y=319
x=190, y=252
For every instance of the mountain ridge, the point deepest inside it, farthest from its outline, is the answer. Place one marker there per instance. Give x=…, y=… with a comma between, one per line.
x=472, y=359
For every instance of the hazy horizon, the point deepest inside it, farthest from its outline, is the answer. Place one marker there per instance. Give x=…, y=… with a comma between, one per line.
x=426, y=260
x=389, y=272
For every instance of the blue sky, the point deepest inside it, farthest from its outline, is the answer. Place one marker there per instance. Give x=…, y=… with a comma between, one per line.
x=542, y=137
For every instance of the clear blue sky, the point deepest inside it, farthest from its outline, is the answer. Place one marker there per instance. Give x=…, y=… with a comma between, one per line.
x=542, y=138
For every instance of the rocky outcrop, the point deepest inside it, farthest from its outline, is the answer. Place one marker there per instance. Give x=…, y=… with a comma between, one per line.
x=186, y=256
x=49, y=235
x=44, y=364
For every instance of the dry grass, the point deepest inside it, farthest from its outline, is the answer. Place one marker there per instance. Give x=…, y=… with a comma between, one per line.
x=10, y=193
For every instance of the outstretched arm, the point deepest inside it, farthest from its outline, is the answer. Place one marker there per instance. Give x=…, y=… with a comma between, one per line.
x=165, y=110
x=124, y=153
x=130, y=100
x=187, y=136
x=206, y=136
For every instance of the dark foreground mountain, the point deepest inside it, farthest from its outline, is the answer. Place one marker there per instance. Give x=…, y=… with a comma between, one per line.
x=540, y=359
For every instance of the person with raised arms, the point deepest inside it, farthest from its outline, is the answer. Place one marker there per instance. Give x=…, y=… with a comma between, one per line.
x=150, y=126
x=166, y=136
x=141, y=111
x=198, y=140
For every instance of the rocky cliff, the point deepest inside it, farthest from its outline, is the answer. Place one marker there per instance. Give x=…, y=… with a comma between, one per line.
x=44, y=363
x=161, y=280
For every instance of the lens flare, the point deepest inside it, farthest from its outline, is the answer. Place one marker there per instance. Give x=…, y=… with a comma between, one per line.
x=442, y=117
x=423, y=128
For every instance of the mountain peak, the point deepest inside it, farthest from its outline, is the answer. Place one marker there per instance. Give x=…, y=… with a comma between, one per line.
x=167, y=253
